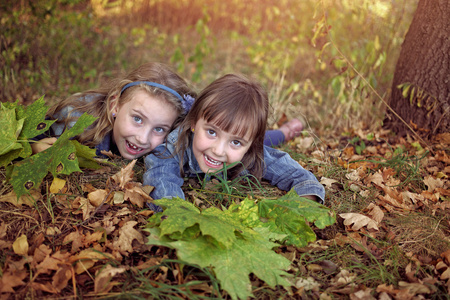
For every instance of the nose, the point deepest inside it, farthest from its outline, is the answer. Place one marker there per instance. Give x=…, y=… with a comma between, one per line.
x=143, y=137
x=219, y=148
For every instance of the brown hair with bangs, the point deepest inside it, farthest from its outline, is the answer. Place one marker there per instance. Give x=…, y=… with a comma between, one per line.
x=108, y=96
x=235, y=104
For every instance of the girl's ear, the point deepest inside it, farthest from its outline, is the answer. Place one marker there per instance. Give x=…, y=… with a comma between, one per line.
x=114, y=105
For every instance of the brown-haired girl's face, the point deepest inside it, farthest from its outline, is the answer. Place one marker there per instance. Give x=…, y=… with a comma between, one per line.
x=212, y=146
x=141, y=124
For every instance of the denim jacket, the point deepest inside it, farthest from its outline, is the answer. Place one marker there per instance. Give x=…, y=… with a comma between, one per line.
x=163, y=171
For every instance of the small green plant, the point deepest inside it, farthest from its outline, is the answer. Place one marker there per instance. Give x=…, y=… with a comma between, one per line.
x=239, y=240
x=359, y=145
x=19, y=125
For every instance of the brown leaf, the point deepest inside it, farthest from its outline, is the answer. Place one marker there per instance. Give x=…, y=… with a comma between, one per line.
x=10, y=280
x=432, y=183
x=126, y=236
x=376, y=178
x=77, y=240
x=446, y=255
x=97, y=197
x=51, y=263
x=87, y=258
x=328, y=182
x=358, y=221
x=414, y=288
x=124, y=175
x=102, y=282
x=62, y=277
x=375, y=213
x=86, y=207
x=41, y=253
x=136, y=195
x=11, y=197
x=93, y=237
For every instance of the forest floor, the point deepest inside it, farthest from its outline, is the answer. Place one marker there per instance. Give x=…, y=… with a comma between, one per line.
x=390, y=241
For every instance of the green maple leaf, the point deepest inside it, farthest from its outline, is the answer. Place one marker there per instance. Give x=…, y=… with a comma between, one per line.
x=285, y=217
x=60, y=158
x=86, y=156
x=28, y=123
x=182, y=215
x=10, y=130
x=290, y=214
x=233, y=265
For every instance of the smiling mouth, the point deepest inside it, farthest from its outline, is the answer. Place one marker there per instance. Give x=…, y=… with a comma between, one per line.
x=134, y=147
x=212, y=162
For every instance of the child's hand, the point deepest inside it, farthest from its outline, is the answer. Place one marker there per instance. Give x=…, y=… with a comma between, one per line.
x=41, y=145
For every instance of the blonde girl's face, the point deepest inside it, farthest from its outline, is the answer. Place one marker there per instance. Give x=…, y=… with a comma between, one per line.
x=141, y=124
x=212, y=147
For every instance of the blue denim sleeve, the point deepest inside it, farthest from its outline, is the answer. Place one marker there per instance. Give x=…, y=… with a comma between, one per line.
x=163, y=173
x=285, y=173
x=273, y=138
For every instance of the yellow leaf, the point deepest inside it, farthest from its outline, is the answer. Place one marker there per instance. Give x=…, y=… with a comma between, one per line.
x=57, y=185
x=20, y=245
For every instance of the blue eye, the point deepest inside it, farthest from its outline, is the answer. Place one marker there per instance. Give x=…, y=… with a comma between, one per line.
x=159, y=130
x=137, y=119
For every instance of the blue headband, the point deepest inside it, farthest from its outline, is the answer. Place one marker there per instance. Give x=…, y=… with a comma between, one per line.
x=186, y=100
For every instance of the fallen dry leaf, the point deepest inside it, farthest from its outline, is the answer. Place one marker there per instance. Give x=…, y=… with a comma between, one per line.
x=20, y=245
x=327, y=182
x=103, y=277
x=10, y=280
x=87, y=258
x=57, y=185
x=375, y=212
x=358, y=221
x=28, y=200
x=125, y=175
x=97, y=197
x=126, y=236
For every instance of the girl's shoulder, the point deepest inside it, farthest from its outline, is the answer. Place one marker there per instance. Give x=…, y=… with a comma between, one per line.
x=172, y=138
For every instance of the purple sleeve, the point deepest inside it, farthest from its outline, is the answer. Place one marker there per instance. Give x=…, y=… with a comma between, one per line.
x=273, y=138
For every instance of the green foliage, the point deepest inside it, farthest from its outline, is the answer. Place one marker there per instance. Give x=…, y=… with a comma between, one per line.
x=53, y=49
x=239, y=240
x=288, y=216
x=418, y=96
x=359, y=144
x=203, y=49
x=19, y=125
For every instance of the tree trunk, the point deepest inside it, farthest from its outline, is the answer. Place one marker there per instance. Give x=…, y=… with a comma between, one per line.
x=421, y=86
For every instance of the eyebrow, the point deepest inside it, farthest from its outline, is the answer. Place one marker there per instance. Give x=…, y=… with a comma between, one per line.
x=234, y=136
x=143, y=116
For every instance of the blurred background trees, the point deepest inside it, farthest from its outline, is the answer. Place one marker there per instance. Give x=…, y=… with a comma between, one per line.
x=320, y=59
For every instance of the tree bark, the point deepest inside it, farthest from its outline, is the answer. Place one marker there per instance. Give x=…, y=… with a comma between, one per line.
x=423, y=72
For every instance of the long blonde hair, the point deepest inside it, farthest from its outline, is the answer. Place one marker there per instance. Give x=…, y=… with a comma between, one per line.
x=102, y=100
x=235, y=104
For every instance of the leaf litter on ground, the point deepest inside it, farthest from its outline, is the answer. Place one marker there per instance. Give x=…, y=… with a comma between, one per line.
x=102, y=242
